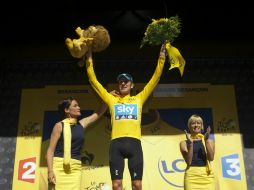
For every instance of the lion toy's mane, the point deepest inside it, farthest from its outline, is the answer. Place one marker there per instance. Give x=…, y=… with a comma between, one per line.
x=96, y=36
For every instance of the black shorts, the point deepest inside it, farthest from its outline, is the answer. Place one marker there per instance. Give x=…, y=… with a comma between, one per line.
x=130, y=148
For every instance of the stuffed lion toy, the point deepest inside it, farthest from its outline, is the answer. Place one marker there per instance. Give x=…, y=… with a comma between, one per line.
x=95, y=36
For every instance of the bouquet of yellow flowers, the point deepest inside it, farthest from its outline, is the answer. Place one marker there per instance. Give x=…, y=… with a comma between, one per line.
x=162, y=30
x=165, y=30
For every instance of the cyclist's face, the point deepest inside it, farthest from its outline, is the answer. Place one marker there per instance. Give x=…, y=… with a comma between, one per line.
x=124, y=87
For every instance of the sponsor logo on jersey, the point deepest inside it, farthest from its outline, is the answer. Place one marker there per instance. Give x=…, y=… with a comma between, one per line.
x=126, y=111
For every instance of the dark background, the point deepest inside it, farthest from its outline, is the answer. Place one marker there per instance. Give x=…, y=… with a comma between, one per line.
x=208, y=28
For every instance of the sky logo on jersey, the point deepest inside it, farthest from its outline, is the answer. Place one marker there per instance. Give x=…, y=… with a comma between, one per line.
x=126, y=111
x=231, y=167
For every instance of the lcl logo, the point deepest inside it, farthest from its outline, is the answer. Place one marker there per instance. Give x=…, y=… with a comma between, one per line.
x=172, y=171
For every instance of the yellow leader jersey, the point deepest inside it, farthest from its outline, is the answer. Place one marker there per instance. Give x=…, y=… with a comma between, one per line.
x=125, y=112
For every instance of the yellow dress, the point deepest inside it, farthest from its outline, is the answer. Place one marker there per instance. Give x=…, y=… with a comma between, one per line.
x=196, y=178
x=199, y=177
x=67, y=170
x=67, y=179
